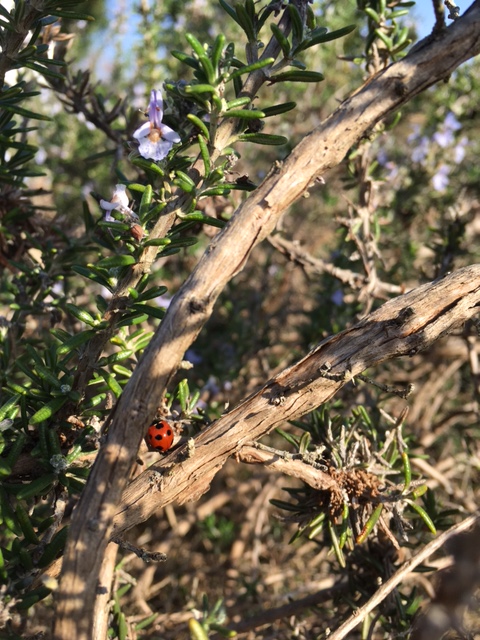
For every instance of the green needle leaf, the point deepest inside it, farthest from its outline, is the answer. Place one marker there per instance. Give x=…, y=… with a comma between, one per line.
x=297, y=76
x=281, y=39
x=251, y=67
x=247, y=114
x=200, y=124
x=262, y=138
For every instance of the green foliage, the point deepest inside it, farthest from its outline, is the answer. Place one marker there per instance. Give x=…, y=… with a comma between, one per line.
x=347, y=451
x=218, y=530
x=211, y=620
x=387, y=37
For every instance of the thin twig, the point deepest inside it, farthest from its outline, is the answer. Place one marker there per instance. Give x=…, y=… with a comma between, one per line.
x=274, y=461
x=401, y=393
x=143, y=554
x=359, y=615
x=439, y=10
x=103, y=600
x=355, y=280
x=287, y=610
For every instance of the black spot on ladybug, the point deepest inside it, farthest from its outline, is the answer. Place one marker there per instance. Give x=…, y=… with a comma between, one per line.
x=160, y=437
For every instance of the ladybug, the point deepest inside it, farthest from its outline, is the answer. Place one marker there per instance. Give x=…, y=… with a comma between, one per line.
x=160, y=435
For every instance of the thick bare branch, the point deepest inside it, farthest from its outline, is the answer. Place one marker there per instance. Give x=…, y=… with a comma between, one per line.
x=401, y=327
x=254, y=220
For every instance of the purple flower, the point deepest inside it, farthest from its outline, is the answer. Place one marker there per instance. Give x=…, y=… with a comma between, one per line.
x=445, y=137
x=193, y=356
x=413, y=137
x=382, y=157
x=459, y=150
x=155, y=138
x=392, y=171
x=337, y=297
x=420, y=151
x=451, y=123
x=440, y=179
x=163, y=301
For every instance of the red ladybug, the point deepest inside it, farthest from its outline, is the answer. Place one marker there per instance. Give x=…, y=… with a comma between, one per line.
x=160, y=435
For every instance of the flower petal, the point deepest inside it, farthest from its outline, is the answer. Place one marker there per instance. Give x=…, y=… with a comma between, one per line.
x=142, y=131
x=154, y=150
x=169, y=134
x=108, y=206
x=120, y=195
x=155, y=108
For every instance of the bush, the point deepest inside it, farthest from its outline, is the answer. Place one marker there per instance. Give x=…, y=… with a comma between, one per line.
x=137, y=291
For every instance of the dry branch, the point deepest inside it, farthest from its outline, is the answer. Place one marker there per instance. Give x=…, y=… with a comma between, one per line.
x=294, y=607
x=295, y=468
x=301, y=386
x=401, y=327
x=351, y=278
x=104, y=596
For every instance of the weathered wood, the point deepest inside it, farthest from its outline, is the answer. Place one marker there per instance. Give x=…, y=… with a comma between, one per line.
x=325, y=147
x=401, y=327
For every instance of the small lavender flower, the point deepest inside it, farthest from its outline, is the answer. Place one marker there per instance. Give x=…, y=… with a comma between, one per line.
x=440, y=180
x=337, y=297
x=451, y=123
x=163, y=301
x=119, y=200
x=193, y=356
x=445, y=136
x=382, y=157
x=420, y=152
x=459, y=149
x=413, y=137
x=393, y=171
x=155, y=138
